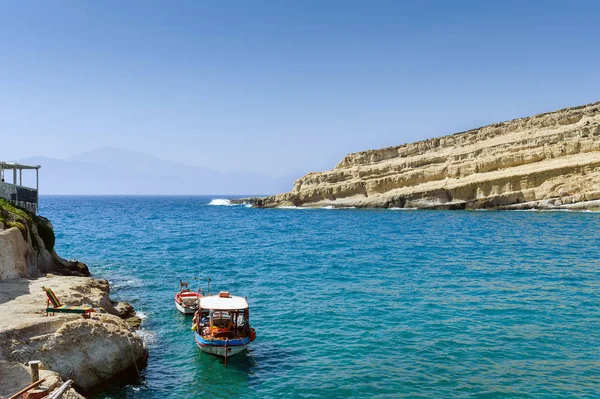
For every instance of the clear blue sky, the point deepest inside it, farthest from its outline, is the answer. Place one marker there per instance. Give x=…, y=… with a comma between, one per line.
x=281, y=87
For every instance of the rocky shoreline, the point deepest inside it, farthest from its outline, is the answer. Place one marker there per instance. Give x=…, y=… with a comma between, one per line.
x=93, y=352
x=546, y=161
x=561, y=204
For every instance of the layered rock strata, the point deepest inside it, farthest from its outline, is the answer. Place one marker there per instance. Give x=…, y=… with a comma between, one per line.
x=550, y=160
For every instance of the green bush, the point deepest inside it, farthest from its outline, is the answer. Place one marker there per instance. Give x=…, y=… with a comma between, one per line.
x=18, y=212
x=12, y=216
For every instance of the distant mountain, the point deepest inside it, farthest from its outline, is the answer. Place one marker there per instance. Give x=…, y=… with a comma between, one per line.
x=118, y=171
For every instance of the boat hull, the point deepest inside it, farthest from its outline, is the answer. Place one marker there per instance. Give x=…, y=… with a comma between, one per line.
x=219, y=347
x=184, y=309
x=179, y=302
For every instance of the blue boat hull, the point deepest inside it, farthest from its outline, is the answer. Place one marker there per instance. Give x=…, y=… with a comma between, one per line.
x=220, y=347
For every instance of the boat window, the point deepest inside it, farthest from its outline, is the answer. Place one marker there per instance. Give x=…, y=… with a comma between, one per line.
x=221, y=315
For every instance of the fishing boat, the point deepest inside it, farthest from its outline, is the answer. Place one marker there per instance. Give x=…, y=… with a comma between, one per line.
x=186, y=301
x=222, y=325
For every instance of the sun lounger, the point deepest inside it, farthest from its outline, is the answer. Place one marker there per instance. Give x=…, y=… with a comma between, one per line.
x=57, y=307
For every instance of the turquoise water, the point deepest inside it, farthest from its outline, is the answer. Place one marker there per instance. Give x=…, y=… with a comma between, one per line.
x=354, y=303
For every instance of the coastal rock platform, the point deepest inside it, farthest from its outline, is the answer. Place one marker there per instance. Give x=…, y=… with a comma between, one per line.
x=91, y=352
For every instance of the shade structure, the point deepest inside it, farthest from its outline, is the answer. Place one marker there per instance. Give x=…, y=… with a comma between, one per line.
x=14, y=165
x=216, y=302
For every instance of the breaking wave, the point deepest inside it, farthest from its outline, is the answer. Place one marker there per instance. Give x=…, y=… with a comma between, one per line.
x=220, y=202
x=141, y=315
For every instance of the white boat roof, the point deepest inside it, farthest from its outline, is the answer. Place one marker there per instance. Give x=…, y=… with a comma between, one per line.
x=217, y=302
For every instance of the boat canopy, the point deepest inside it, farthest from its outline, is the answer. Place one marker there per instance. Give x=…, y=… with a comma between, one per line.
x=216, y=302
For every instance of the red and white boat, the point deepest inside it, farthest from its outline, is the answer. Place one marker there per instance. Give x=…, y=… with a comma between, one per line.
x=186, y=301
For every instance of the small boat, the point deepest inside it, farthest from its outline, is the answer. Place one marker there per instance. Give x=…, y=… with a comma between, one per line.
x=222, y=325
x=186, y=301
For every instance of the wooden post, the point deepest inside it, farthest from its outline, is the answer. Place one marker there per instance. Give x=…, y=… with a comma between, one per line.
x=236, y=315
x=35, y=370
x=37, y=190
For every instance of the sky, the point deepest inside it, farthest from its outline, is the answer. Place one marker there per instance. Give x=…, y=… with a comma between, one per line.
x=281, y=87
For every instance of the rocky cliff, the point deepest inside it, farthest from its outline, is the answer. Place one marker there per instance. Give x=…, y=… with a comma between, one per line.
x=27, y=246
x=93, y=352
x=550, y=160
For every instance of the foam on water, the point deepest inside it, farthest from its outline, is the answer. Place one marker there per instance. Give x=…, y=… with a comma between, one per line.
x=141, y=315
x=297, y=208
x=220, y=202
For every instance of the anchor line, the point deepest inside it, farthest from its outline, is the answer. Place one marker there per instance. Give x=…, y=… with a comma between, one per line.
x=251, y=355
x=135, y=364
x=115, y=291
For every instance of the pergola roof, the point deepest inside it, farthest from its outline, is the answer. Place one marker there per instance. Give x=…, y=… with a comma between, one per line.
x=14, y=165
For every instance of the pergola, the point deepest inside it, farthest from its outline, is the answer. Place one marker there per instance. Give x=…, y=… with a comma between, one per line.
x=19, y=167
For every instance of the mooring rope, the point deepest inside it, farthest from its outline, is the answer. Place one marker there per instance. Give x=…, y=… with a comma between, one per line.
x=130, y=344
x=251, y=355
x=135, y=364
x=115, y=291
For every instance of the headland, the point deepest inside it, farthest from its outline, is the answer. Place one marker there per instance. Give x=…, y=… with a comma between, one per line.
x=546, y=161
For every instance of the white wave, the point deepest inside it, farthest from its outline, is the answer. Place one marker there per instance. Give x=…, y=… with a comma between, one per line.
x=221, y=202
x=402, y=209
x=141, y=315
x=117, y=285
x=149, y=337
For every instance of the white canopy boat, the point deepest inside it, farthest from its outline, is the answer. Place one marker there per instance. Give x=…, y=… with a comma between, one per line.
x=222, y=325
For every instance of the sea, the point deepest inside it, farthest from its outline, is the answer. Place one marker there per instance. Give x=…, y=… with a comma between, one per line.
x=351, y=303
